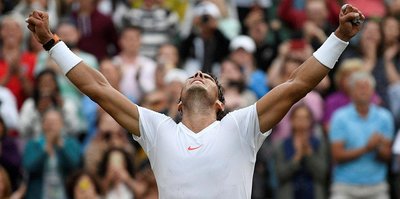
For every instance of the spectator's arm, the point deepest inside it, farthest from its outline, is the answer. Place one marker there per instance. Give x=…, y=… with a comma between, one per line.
x=34, y=157
x=285, y=169
x=69, y=154
x=341, y=155
x=317, y=163
x=384, y=151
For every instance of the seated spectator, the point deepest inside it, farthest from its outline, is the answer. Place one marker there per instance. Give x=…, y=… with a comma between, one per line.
x=206, y=45
x=95, y=28
x=159, y=25
x=228, y=22
x=236, y=93
x=50, y=158
x=138, y=72
x=392, y=73
x=10, y=156
x=361, y=134
x=316, y=27
x=16, y=65
x=261, y=31
x=167, y=59
x=109, y=135
x=116, y=172
x=390, y=30
x=301, y=159
x=242, y=48
x=341, y=96
x=367, y=48
x=156, y=100
x=83, y=185
x=46, y=94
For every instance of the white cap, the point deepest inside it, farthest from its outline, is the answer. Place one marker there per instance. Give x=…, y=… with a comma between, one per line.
x=243, y=41
x=207, y=8
x=176, y=75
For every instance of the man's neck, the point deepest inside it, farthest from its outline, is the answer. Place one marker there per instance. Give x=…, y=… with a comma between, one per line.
x=362, y=109
x=197, y=120
x=129, y=56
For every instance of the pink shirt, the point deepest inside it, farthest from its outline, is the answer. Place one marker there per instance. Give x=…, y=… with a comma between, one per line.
x=283, y=128
x=370, y=8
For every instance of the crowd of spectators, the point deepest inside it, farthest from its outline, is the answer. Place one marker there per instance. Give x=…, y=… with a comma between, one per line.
x=339, y=141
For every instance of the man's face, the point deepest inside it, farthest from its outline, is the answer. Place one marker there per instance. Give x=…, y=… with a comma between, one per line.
x=200, y=83
x=68, y=33
x=130, y=40
x=362, y=92
x=52, y=124
x=11, y=31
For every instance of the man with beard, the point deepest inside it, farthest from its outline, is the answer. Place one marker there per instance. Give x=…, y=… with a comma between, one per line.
x=205, y=155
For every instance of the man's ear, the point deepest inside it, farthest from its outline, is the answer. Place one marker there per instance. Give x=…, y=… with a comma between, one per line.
x=220, y=106
x=180, y=106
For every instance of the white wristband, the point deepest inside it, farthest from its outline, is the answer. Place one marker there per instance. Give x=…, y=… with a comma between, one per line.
x=330, y=51
x=64, y=57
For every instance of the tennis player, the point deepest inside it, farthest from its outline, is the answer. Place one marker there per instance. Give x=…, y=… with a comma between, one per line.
x=202, y=156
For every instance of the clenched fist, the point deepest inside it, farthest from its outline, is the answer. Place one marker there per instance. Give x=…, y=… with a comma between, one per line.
x=38, y=24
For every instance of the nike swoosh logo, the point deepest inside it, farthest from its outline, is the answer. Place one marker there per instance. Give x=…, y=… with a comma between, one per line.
x=190, y=148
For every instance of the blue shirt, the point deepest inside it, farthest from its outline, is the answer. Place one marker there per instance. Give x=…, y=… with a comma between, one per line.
x=348, y=127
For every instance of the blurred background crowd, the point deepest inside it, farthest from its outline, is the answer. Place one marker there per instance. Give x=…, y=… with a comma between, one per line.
x=55, y=143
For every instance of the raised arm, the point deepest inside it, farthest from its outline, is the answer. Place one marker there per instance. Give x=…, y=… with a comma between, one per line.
x=275, y=104
x=91, y=82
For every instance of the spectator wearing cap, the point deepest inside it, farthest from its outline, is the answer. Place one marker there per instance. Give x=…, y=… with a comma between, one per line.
x=206, y=45
x=242, y=48
x=236, y=93
x=261, y=31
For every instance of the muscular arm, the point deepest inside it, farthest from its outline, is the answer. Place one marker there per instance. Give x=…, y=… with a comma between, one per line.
x=274, y=105
x=93, y=84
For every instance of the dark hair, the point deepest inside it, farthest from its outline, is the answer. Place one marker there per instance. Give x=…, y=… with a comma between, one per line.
x=131, y=27
x=103, y=166
x=300, y=105
x=220, y=114
x=36, y=92
x=73, y=179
